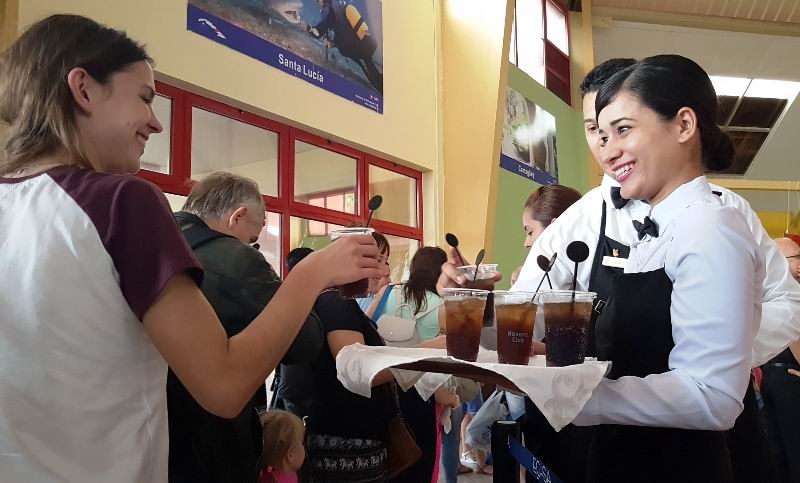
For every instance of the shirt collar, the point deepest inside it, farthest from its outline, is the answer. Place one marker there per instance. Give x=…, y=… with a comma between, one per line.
x=605, y=187
x=686, y=194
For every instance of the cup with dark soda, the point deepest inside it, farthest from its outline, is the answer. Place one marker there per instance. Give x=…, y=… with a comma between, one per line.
x=515, y=313
x=359, y=288
x=566, y=325
x=463, y=310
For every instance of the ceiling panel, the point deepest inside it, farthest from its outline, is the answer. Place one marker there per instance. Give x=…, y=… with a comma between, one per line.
x=786, y=11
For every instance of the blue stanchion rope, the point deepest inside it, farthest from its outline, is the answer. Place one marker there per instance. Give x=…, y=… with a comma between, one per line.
x=535, y=467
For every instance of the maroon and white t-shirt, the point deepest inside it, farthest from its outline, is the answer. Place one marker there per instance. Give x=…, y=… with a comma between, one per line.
x=83, y=256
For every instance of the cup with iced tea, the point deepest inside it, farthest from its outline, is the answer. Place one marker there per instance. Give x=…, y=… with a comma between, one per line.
x=515, y=313
x=463, y=310
x=359, y=288
x=566, y=325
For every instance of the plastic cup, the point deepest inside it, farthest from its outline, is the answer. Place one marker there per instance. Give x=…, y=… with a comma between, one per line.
x=515, y=313
x=485, y=271
x=463, y=310
x=359, y=288
x=566, y=325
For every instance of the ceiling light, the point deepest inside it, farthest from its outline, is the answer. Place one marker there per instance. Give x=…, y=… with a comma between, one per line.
x=773, y=89
x=729, y=86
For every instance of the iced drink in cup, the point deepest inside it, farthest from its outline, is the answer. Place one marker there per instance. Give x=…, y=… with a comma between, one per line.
x=566, y=325
x=515, y=313
x=359, y=288
x=463, y=310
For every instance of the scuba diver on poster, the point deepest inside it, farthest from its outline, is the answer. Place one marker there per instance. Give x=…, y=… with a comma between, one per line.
x=351, y=36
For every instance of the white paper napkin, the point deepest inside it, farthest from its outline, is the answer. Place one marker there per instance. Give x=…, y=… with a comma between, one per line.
x=559, y=392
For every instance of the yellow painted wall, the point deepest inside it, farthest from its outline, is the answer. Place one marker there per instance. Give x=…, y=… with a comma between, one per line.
x=775, y=222
x=8, y=22
x=475, y=37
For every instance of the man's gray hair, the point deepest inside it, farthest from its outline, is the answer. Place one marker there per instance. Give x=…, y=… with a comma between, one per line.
x=219, y=193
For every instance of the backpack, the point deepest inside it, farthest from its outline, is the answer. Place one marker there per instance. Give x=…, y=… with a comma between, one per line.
x=398, y=331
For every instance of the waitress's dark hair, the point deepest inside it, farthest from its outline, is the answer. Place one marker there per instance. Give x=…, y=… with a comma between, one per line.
x=667, y=83
x=426, y=266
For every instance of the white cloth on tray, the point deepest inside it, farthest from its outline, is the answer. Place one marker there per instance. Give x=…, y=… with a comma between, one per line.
x=559, y=392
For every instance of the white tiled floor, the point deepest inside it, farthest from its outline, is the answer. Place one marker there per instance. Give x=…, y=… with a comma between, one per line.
x=468, y=478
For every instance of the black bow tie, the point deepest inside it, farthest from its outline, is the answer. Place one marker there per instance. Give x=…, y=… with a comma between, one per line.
x=648, y=227
x=617, y=199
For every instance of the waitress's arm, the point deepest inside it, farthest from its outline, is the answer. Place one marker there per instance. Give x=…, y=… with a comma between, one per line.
x=717, y=274
x=780, y=313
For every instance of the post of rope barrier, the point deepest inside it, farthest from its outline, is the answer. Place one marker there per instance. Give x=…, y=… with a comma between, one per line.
x=506, y=468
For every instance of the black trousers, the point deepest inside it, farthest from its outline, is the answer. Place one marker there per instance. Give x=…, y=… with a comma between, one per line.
x=566, y=452
x=781, y=394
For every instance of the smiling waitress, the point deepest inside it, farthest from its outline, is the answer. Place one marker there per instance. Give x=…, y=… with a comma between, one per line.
x=679, y=324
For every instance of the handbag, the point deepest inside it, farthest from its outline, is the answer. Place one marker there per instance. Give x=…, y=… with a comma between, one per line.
x=401, y=446
x=398, y=331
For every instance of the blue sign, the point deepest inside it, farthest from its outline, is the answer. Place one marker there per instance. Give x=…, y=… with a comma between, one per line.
x=542, y=177
x=528, y=141
x=337, y=47
x=535, y=468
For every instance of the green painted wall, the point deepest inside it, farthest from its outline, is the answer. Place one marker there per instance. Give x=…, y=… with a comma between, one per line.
x=513, y=190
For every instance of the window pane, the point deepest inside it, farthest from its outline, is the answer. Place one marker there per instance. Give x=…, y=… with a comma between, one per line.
x=402, y=249
x=157, y=155
x=223, y=144
x=399, y=194
x=323, y=173
x=557, y=28
x=530, y=32
x=175, y=201
x=310, y=233
x=270, y=241
x=335, y=202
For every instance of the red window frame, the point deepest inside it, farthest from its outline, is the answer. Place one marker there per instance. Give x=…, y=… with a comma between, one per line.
x=179, y=180
x=556, y=62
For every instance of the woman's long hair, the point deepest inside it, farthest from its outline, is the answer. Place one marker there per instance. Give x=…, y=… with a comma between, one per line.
x=426, y=266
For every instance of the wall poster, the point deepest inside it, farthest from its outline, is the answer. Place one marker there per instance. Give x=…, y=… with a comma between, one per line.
x=336, y=45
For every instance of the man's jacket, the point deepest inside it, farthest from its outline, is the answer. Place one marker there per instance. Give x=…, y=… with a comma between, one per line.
x=238, y=283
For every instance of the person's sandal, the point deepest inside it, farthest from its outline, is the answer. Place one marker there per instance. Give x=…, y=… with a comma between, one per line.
x=485, y=470
x=463, y=470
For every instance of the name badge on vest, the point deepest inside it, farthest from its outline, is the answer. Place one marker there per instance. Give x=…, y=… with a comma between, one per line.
x=614, y=262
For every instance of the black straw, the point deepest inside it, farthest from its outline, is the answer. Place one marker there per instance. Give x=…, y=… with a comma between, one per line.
x=545, y=265
x=374, y=203
x=577, y=251
x=452, y=240
x=478, y=261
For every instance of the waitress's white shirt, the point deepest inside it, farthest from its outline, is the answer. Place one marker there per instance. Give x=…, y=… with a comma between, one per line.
x=717, y=271
x=780, y=318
